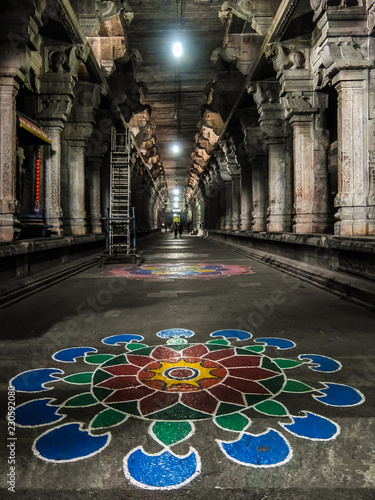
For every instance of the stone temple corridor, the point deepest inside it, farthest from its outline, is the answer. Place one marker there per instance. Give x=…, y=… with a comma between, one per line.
x=187, y=249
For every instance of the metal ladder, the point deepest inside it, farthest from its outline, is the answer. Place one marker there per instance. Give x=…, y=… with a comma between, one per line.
x=119, y=211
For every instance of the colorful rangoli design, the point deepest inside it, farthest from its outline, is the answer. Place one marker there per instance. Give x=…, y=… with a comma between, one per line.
x=175, y=386
x=179, y=271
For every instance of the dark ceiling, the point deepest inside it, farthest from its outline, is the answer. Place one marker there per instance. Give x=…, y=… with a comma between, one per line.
x=176, y=86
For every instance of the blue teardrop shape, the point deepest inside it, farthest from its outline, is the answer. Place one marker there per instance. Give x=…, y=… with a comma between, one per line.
x=269, y=449
x=313, y=427
x=72, y=353
x=121, y=339
x=325, y=364
x=340, y=395
x=276, y=342
x=175, y=332
x=232, y=334
x=34, y=380
x=162, y=471
x=69, y=443
x=37, y=412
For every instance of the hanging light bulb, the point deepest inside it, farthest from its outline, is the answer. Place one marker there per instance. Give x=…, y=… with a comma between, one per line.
x=177, y=49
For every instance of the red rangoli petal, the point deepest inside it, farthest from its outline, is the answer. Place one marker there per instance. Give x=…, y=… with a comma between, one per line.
x=218, y=372
x=201, y=401
x=238, y=361
x=206, y=383
x=139, y=360
x=123, y=395
x=165, y=354
x=224, y=393
x=252, y=373
x=246, y=386
x=121, y=369
x=156, y=384
x=220, y=354
x=121, y=382
x=195, y=351
x=157, y=401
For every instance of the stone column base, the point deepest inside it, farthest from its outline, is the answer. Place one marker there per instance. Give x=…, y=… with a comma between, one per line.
x=7, y=220
x=96, y=227
x=279, y=223
x=352, y=221
x=6, y=231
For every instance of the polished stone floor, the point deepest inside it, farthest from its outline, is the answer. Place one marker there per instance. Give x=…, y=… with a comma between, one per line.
x=199, y=373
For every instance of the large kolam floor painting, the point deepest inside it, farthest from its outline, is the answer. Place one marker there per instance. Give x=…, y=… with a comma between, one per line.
x=177, y=271
x=175, y=386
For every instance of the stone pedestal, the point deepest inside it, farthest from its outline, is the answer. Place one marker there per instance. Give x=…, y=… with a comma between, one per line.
x=93, y=177
x=8, y=203
x=353, y=165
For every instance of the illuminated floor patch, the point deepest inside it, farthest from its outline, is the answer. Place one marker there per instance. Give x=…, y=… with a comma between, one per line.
x=179, y=271
x=174, y=387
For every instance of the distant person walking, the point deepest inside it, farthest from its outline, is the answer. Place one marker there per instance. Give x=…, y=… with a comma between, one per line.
x=175, y=229
x=180, y=229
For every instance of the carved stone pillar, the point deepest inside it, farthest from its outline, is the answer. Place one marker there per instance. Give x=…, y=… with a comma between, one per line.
x=246, y=197
x=8, y=203
x=52, y=184
x=74, y=210
x=222, y=205
x=311, y=200
x=94, y=164
x=344, y=54
x=51, y=108
x=76, y=134
x=236, y=202
x=20, y=64
x=228, y=206
x=277, y=135
x=260, y=193
x=353, y=168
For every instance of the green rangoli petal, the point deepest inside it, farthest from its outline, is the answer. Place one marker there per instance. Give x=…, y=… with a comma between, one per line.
x=101, y=393
x=179, y=412
x=219, y=342
x=213, y=347
x=81, y=400
x=272, y=408
x=171, y=432
x=79, y=378
x=100, y=376
x=274, y=384
x=255, y=348
x=253, y=399
x=176, y=341
x=108, y=418
x=297, y=386
x=234, y=422
x=287, y=363
x=134, y=347
x=130, y=407
x=98, y=359
x=226, y=408
x=117, y=360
